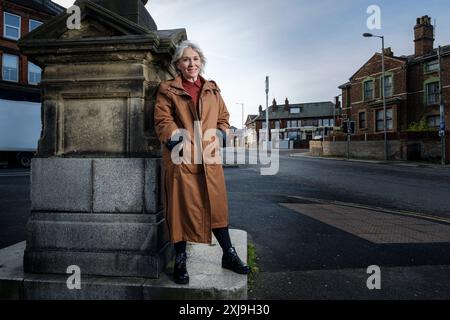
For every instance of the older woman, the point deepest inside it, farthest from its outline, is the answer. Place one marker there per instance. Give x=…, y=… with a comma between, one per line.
x=195, y=198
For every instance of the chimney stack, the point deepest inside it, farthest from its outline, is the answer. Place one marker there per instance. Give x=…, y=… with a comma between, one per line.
x=274, y=105
x=423, y=36
x=286, y=104
x=388, y=52
x=260, y=109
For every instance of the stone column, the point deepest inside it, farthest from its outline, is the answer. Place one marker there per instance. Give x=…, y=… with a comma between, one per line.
x=95, y=184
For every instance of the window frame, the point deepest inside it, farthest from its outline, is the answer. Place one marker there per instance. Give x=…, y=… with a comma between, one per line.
x=427, y=64
x=427, y=93
x=17, y=67
x=29, y=24
x=388, y=120
x=365, y=120
x=366, y=81
x=382, y=85
x=436, y=123
x=28, y=76
x=5, y=25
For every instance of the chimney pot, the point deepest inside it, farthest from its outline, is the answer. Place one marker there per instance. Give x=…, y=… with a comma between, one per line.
x=423, y=36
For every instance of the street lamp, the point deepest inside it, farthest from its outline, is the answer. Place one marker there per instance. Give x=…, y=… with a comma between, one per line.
x=267, y=111
x=369, y=35
x=243, y=124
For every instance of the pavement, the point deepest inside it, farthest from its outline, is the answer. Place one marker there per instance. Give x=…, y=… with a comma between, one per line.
x=384, y=234
x=423, y=164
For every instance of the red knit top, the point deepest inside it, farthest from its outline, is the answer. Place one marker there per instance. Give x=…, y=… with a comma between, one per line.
x=193, y=88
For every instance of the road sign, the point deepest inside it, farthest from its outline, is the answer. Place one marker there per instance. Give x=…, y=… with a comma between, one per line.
x=349, y=127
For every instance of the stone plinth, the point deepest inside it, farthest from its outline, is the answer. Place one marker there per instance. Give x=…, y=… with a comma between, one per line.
x=103, y=215
x=96, y=180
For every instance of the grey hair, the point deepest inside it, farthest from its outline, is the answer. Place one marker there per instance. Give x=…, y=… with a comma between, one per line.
x=179, y=53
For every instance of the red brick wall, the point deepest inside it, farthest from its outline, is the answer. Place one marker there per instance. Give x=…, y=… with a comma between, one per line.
x=373, y=68
x=416, y=77
x=26, y=14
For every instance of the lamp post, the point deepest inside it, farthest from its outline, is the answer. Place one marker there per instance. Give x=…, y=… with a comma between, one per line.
x=441, y=110
x=267, y=111
x=369, y=35
x=243, y=124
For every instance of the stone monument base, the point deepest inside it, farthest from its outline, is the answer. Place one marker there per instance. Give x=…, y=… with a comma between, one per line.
x=102, y=215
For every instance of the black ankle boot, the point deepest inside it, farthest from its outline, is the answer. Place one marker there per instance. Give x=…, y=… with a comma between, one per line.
x=231, y=261
x=180, y=274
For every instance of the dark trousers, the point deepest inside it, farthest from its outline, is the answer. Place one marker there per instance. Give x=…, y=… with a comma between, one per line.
x=222, y=235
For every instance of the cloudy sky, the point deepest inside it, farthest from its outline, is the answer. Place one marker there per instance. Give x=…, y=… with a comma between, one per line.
x=307, y=48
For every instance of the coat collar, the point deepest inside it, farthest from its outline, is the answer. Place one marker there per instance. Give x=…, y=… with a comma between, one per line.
x=177, y=86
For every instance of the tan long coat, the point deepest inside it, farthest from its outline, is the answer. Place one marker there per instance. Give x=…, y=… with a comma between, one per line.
x=194, y=195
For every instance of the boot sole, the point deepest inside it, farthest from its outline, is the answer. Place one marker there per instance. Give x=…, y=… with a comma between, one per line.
x=234, y=270
x=186, y=281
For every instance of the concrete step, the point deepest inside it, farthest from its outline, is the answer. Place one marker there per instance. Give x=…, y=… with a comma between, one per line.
x=208, y=280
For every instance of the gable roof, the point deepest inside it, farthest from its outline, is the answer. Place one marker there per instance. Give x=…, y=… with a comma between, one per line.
x=413, y=59
x=251, y=118
x=57, y=26
x=377, y=54
x=48, y=7
x=408, y=60
x=308, y=110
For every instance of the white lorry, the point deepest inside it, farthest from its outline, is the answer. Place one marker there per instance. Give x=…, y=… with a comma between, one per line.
x=20, y=128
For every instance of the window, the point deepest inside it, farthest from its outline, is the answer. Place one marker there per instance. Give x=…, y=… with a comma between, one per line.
x=368, y=90
x=11, y=27
x=292, y=135
x=34, y=73
x=362, y=120
x=10, y=70
x=432, y=66
x=295, y=110
x=388, y=89
x=277, y=124
x=432, y=91
x=347, y=98
x=380, y=119
x=433, y=121
x=34, y=24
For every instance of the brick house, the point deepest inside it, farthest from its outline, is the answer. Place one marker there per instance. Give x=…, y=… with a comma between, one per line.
x=20, y=78
x=299, y=122
x=411, y=86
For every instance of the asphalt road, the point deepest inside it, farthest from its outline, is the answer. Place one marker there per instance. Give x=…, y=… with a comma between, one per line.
x=14, y=205
x=303, y=258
